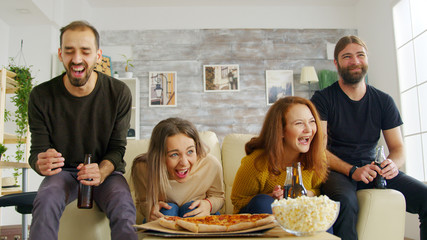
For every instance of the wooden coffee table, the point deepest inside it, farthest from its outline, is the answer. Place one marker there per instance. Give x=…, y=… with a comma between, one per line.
x=274, y=234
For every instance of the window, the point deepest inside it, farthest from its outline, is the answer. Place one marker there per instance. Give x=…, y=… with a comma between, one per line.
x=410, y=25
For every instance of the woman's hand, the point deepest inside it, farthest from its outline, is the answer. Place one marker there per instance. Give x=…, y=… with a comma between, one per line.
x=202, y=208
x=277, y=192
x=155, y=210
x=310, y=193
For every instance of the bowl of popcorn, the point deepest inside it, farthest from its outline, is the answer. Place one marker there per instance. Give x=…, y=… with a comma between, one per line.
x=305, y=216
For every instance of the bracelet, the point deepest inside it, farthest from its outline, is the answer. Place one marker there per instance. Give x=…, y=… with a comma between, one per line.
x=209, y=203
x=352, y=170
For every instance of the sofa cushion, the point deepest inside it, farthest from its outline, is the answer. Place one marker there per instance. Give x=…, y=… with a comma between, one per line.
x=233, y=150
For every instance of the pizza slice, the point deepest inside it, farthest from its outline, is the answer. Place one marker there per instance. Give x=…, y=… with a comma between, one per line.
x=169, y=222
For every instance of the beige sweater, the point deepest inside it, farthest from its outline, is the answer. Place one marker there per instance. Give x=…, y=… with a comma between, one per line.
x=204, y=181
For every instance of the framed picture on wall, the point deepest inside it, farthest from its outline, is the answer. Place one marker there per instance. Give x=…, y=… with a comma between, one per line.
x=162, y=89
x=279, y=83
x=221, y=78
x=104, y=66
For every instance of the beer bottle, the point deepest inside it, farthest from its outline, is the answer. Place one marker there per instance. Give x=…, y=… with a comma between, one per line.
x=297, y=188
x=379, y=181
x=85, y=199
x=288, y=183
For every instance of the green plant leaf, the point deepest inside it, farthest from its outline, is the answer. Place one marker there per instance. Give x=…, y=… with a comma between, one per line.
x=20, y=99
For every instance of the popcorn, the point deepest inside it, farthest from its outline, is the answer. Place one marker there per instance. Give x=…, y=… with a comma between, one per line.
x=305, y=214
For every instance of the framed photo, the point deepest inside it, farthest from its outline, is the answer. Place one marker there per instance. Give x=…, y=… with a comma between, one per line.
x=105, y=65
x=162, y=87
x=279, y=84
x=221, y=78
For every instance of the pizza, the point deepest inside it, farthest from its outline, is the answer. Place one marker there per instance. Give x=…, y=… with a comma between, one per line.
x=216, y=223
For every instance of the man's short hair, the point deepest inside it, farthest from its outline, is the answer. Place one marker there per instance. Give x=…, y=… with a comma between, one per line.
x=80, y=25
x=344, y=41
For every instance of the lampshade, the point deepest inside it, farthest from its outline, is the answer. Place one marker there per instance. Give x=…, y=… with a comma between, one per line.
x=308, y=75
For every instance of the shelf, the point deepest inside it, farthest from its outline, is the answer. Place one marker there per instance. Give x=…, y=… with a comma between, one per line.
x=11, y=139
x=4, y=164
x=10, y=82
x=133, y=84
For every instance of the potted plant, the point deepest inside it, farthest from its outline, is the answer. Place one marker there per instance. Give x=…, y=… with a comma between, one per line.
x=3, y=149
x=20, y=99
x=128, y=74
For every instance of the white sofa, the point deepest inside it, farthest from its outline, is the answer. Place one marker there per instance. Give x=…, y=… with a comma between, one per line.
x=381, y=216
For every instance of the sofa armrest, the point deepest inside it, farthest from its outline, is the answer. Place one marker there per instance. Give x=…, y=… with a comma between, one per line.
x=381, y=214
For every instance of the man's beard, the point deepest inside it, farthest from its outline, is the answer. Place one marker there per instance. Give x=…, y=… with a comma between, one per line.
x=78, y=82
x=352, y=78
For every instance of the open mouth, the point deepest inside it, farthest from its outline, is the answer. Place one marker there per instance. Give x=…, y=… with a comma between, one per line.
x=78, y=70
x=304, y=140
x=182, y=173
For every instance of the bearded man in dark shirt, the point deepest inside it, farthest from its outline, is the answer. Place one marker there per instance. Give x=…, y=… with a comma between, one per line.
x=353, y=115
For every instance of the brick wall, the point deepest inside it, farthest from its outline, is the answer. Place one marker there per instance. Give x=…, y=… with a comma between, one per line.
x=186, y=51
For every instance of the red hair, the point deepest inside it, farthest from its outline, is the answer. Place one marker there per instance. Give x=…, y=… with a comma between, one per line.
x=271, y=139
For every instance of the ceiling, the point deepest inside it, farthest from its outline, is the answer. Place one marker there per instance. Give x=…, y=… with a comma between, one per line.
x=182, y=3
x=21, y=12
x=25, y=12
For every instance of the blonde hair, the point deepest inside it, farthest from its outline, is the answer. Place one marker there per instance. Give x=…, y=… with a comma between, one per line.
x=155, y=159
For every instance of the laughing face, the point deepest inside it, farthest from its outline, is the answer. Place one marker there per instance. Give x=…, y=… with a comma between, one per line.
x=79, y=55
x=352, y=64
x=181, y=156
x=299, y=130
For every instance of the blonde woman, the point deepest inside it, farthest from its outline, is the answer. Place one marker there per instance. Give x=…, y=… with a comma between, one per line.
x=177, y=177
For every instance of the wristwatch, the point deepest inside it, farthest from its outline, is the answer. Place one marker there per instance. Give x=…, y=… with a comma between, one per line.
x=352, y=170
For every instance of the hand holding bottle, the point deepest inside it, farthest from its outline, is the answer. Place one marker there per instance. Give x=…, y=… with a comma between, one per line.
x=389, y=169
x=380, y=181
x=85, y=196
x=89, y=171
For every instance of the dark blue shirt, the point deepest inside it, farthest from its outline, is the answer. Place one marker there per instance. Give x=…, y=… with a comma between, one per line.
x=354, y=127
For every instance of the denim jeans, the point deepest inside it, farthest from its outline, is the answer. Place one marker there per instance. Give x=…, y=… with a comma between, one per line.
x=178, y=211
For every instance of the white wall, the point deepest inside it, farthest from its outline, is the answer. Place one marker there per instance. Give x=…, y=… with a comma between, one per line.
x=208, y=17
x=375, y=25
x=4, y=43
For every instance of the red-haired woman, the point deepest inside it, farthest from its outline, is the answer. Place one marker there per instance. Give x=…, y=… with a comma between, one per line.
x=291, y=133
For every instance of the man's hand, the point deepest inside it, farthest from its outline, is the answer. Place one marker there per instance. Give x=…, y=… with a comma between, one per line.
x=389, y=170
x=89, y=171
x=366, y=173
x=50, y=162
x=203, y=208
x=155, y=211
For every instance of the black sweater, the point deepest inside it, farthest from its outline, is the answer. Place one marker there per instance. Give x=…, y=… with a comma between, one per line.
x=96, y=123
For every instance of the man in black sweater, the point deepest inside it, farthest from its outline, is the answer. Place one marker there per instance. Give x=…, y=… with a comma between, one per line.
x=81, y=111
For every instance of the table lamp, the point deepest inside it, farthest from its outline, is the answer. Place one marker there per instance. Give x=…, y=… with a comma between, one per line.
x=308, y=75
